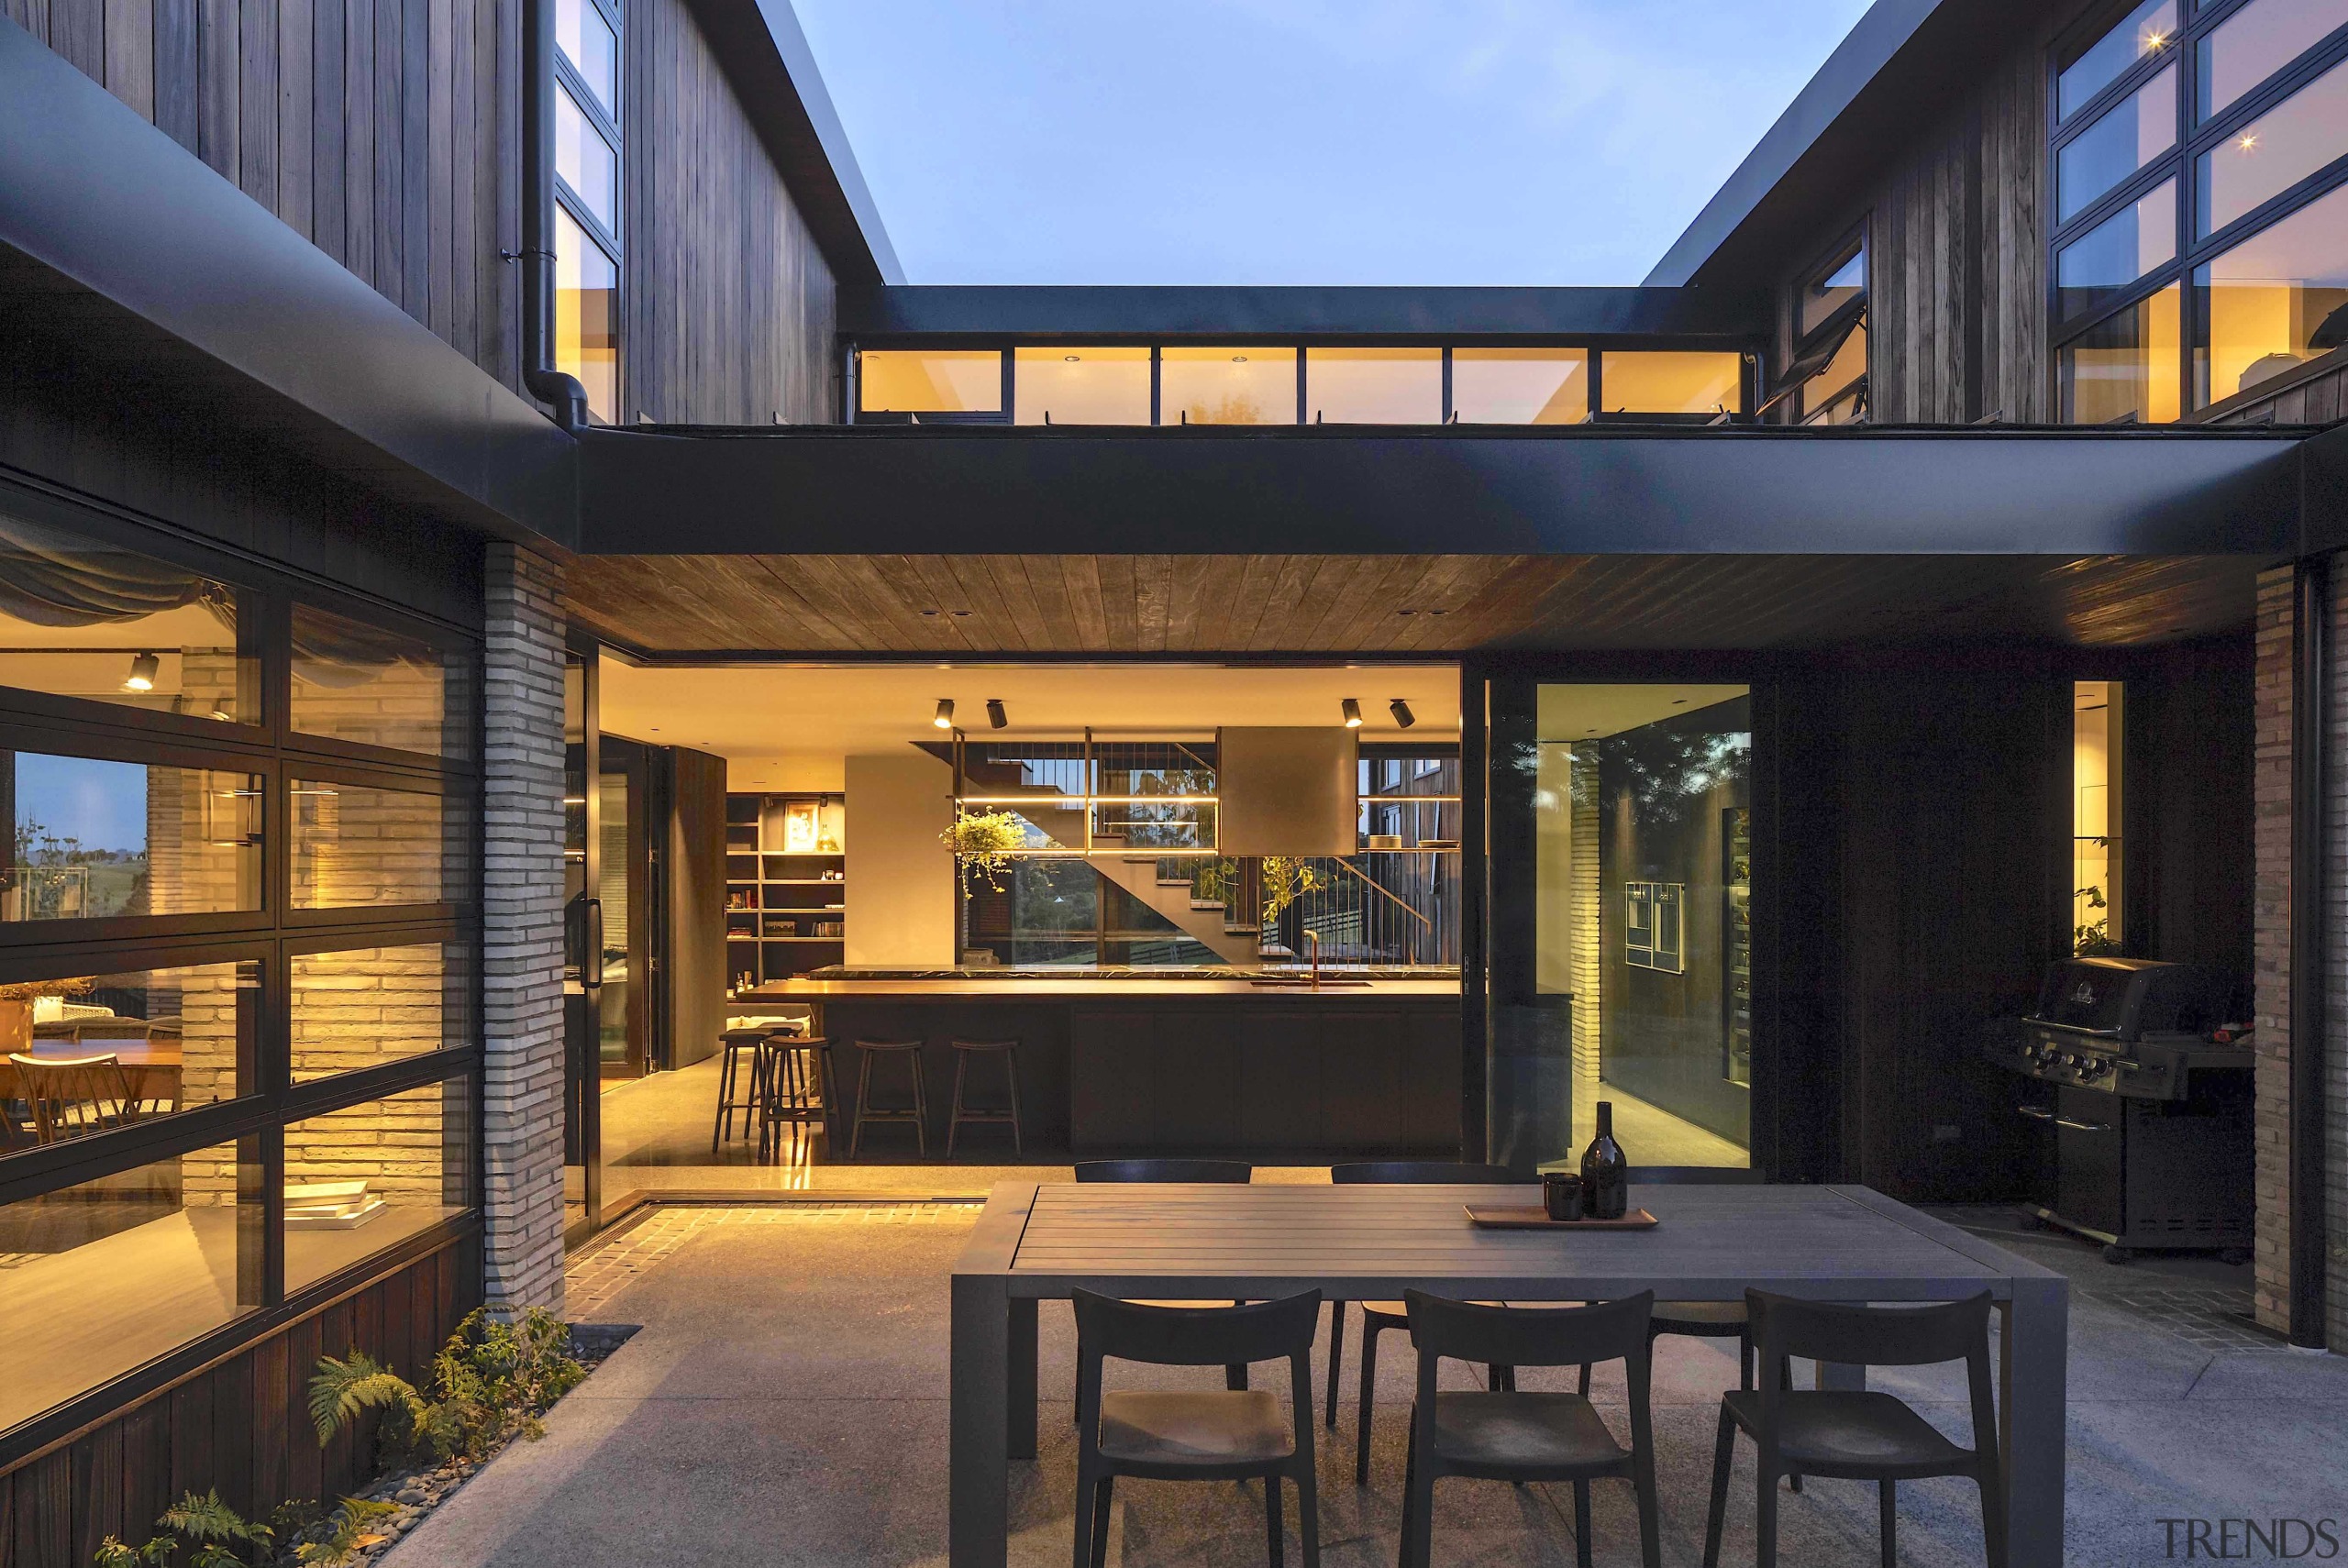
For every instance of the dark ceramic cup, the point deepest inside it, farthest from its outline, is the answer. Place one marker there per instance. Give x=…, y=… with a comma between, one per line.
x=1561, y=1194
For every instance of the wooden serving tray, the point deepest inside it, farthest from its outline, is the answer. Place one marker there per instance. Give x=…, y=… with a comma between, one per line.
x=1537, y=1219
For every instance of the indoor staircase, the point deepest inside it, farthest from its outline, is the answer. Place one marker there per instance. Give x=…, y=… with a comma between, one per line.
x=1199, y=919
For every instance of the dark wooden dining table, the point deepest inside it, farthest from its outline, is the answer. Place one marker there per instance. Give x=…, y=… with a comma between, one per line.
x=1037, y=1242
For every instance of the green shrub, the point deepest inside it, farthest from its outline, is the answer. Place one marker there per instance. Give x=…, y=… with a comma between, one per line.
x=215, y=1535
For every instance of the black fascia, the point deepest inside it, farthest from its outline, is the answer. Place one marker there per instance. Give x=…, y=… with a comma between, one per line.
x=104, y=205
x=1901, y=66
x=1726, y=318
x=765, y=59
x=1433, y=489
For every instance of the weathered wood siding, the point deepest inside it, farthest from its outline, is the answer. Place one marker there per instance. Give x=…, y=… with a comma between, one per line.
x=387, y=132
x=241, y=1424
x=727, y=306
x=1956, y=234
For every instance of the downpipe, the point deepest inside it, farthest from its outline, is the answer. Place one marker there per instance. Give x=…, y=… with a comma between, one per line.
x=553, y=387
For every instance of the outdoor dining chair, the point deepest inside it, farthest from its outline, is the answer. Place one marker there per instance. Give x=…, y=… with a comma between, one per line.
x=1229, y=1173
x=1860, y=1435
x=1377, y=1317
x=1512, y=1436
x=1230, y=1434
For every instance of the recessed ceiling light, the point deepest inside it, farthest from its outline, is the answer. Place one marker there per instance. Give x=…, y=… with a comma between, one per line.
x=1073, y=358
x=1239, y=358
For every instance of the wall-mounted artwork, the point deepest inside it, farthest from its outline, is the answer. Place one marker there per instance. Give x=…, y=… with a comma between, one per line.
x=801, y=825
x=1651, y=926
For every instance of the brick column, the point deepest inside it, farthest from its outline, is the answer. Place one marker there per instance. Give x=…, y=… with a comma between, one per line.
x=521, y=899
x=2271, y=947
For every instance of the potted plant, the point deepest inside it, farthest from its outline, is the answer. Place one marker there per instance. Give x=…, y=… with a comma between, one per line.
x=983, y=844
x=16, y=1008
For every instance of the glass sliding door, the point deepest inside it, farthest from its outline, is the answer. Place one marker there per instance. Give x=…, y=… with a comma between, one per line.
x=1621, y=933
x=584, y=934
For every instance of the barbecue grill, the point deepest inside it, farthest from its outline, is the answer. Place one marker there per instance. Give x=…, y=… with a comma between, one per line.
x=2147, y=1114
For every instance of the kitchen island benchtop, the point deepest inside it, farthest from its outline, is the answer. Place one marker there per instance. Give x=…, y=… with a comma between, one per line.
x=1110, y=992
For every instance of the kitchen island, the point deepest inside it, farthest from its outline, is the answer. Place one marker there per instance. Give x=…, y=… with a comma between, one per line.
x=1116, y=1063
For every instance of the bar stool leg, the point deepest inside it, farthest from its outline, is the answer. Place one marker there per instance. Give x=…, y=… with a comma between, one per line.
x=921, y=1106
x=725, y=1128
x=1010, y=1066
x=953, y=1118
x=863, y=1097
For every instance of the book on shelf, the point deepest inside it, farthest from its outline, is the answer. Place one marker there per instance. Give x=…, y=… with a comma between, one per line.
x=329, y=1205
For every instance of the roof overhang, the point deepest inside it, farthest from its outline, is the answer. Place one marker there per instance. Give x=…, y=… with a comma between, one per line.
x=764, y=54
x=1236, y=314
x=1573, y=490
x=1903, y=64
x=116, y=239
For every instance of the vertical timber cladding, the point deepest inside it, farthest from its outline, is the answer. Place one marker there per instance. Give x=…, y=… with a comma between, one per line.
x=376, y=129
x=1956, y=263
x=240, y=1424
x=726, y=304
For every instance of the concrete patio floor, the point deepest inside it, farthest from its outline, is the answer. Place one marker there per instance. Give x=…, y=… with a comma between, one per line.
x=785, y=1404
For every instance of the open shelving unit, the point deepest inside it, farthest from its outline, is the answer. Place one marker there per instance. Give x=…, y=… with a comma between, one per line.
x=786, y=885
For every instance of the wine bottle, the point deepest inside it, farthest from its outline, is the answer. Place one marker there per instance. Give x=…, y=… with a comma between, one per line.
x=1605, y=1174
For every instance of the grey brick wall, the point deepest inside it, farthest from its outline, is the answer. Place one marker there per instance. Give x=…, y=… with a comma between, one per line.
x=2271, y=947
x=2272, y=952
x=522, y=930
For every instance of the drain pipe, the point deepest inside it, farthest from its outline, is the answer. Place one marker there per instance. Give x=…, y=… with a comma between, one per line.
x=547, y=384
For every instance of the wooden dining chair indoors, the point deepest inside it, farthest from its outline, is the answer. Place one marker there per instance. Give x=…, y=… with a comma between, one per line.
x=1229, y=1434
x=1519, y=1437
x=1858, y=1434
x=1377, y=1317
x=71, y=1097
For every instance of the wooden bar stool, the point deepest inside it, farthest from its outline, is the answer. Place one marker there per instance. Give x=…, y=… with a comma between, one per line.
x=909, y=1051
x=732, y=1043
x=801, y=1085
x=963, y=1050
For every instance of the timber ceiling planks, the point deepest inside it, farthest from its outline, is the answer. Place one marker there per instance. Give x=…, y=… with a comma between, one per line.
x=995, y=605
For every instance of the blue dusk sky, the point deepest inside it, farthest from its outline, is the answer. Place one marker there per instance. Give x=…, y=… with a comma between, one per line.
x=1305, y=141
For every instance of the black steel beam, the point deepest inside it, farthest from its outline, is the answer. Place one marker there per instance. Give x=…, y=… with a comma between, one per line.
x=1729, y=316
x=2311, y=698
x=1580, y=490
x=106, y=206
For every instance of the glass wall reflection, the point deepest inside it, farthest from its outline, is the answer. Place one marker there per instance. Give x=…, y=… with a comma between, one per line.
x=1642, y=909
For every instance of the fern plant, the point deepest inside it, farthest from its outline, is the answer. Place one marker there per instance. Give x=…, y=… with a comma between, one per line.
x=215, y=1535
x=348, y=1527
x=342, y=1389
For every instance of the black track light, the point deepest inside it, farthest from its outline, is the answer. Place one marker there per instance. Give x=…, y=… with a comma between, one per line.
x=995, y=715
x=143, y=670
x=1353, y=714
x=1402, y=712
x=945, y=720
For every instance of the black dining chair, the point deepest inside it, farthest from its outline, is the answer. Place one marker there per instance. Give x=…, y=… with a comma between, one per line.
x=1512, y=1436
x=1858, y=1434
x=1235, y=1173
x=1377, y=1317
x=1209, y=1435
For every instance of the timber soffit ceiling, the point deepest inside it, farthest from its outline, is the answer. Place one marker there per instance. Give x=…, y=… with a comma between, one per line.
x=711, y=608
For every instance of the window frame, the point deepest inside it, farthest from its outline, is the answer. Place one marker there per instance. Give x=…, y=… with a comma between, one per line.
x=268, y=936
x=1594, y=351
x=2181, y=164
x=569, y=80
x=1856, y=315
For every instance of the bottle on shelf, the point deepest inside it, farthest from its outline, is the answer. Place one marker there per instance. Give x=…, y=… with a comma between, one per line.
x=1605, y=1174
